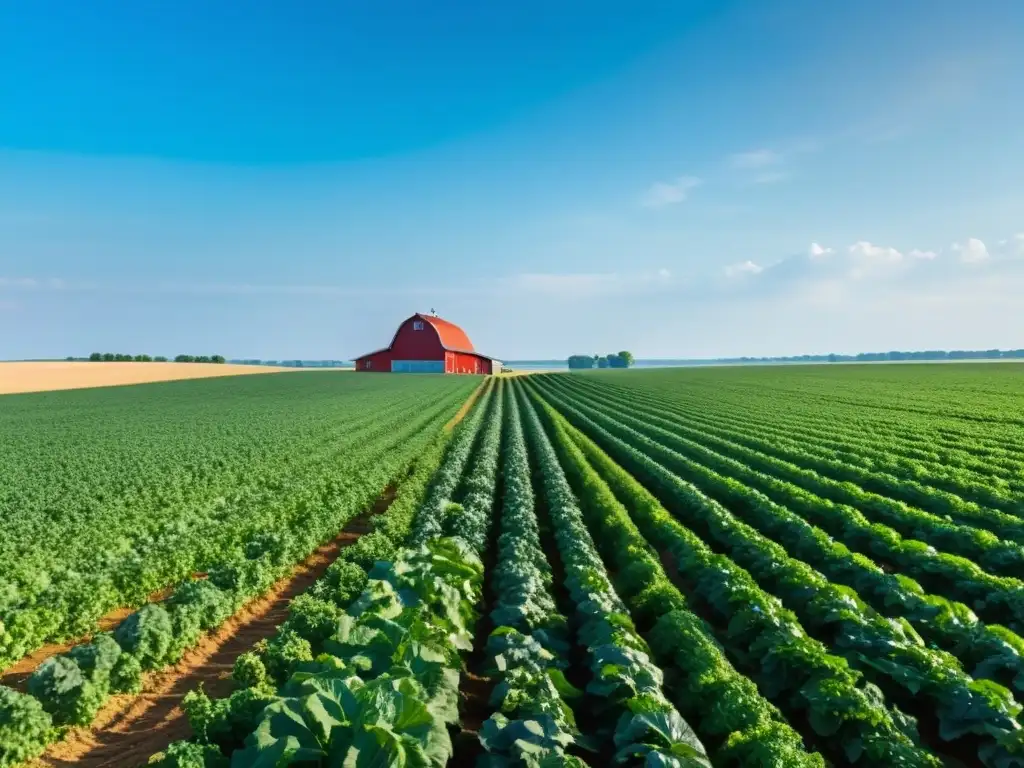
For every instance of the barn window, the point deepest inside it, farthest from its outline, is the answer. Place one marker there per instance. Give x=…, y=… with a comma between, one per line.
x=417, y=325
x=369, y=364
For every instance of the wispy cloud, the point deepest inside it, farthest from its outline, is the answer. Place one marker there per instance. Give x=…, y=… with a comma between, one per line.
x=758, y=158
x=747, y=267
x=665, y=193
x=44, y=284
x=770, y=177
x=761, y=166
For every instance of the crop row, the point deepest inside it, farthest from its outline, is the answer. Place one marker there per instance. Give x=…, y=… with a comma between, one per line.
x=908, y=670
x=739, y=725
x=992, y=651
x=627, y=703
x=964, y=554
x=92, y=526
x=761, y=634
x=68, y=689
x=929, y=511
x=802, y=395
x=986, y=482
x=377, y=637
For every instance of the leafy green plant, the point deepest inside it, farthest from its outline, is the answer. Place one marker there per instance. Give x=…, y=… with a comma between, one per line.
x=65, y=692
x=25, y=727
x=182, y=754
x=147, y=634
x=250, y=672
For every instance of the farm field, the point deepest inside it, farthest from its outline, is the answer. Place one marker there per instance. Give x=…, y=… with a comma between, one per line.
x=17, y=377
x=792, y=566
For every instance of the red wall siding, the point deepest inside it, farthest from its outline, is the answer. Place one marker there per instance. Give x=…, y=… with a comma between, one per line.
x=469, y=363
x=410, y=344
x=379, y=362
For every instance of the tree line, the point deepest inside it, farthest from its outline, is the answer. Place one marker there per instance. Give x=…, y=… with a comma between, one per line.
x=874, y=357
x=622, y=359
x=116, y=357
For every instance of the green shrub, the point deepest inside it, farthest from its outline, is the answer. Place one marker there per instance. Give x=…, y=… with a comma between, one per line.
x=313, y=618
x=250, y=672
x=225, y=722
x=148, y=635
x=212, y=603
x=283, y=651
x=97, y=658
x=185, y=754
x=66, y=692
x=25, y=727
x=344, y=582
x=126, y=676
x=369, y=549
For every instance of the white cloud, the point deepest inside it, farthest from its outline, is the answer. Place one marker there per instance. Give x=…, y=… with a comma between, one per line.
x=864, y=251
x=817, y=250
x=665, y=193
x=758, y=158
x=925, y=255
x=747, y=267
x=974, y=251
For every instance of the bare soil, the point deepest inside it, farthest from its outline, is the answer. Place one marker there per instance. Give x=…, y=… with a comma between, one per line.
x=48, y=376
x=129, y=728
x=466, y=407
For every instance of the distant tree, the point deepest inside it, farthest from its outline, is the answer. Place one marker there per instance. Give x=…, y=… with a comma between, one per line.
x=159, y=359
x=108, y=357
x=217, y=359
x=602, y=362
x=96, y=357
x=201, y=359
x=580, y=361
x=620, y=360
x=183, y=359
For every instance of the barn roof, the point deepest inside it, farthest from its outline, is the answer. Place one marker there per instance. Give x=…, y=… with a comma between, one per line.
x=453, y=338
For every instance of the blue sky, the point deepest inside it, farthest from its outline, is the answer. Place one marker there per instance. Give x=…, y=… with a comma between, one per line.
x=686, y=179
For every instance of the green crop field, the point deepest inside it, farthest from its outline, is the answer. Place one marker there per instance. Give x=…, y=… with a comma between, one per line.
x=757, y=567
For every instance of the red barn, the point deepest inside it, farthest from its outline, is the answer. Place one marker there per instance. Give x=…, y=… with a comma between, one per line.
x=428, y=344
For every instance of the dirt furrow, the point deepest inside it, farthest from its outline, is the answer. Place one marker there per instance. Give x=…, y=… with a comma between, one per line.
x=130, y=728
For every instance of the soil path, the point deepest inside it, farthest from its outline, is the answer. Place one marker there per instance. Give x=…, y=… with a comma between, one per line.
x=466, y=407
x=129, y=729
